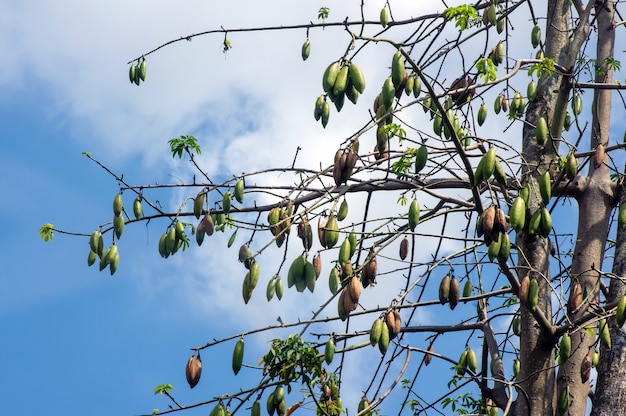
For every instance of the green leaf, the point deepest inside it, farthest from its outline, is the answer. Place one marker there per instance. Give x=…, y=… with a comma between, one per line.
x=462, y=15
x=46, y=232
x=163, y=388
x=184, y=143
x=487, y=69
x=546, y=66
x=323, y=13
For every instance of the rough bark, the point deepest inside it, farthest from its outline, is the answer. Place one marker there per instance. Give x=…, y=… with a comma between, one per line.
x=609, y=398
x=536, y=352
x=595, y=205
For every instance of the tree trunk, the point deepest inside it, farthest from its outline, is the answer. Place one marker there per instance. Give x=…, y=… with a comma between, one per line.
x=595, y=205
x=536, y=352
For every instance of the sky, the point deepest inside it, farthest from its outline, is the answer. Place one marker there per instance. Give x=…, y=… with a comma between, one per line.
x=78, y=341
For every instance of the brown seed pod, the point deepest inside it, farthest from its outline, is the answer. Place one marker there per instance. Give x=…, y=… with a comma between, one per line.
x=321, y=233
x=209, y=225
x=370, y=270
x=454, y=293
x=338, y=169
x=341, y=305
x=575, y=297
x=348, y=304
x=461, y=97
x=488, y=223
x=346, y=270
x=193, y=371
x=505, y=104
x=404, y=248
x=500, y=220
x=317, y=265
x=355, y=288
x=350, y=162
x=444, y=289
x=390, y=321
x=598, y=156
x=585, y=369
x=398, y=327
x=523, y=289
x=428, y=357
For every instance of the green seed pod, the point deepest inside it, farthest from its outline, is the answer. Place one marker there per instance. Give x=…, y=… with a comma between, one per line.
x=398, y=70
x=137, y=208
x=500, y=25
x=535, y=36
x=131, y=73
x=118, y=225
x=325, y=113
x=269, y=405
x=577, y=105
x=491, y=15
x=497, y=104
x=113, y=259
x=383, y=341
x=517, y=325
x=353, y=242
x=333, y=281
x=376, y=331
x=571, y=166
x=344, y=252
x=564, y=348
x=341, y=82
x=163, y=246
x=238, y=356
x=343, y=210
x=239, y=190
x=567, y=122
x=356, y=77
x=563, y=401
x=143, y=69
x=467, y=288
x=256, y=408
x=271, y=289
x=91, y=258
x=96, y=242
x=414, y=214
x=472, y=363
x=482, y=114
x=279, y=288
x=417, y=86
x=517, y=214
x=533, y=294
x=329, y=351
x=604, y=334
x=384, y=16
x=330, y=76
x=620, y=312
x=541, y=131
x=408, y=87
x=531, y=91
x=309, y=277
x=421, y=158
x=388, y=93
x=117, y=205
x=226, y=202
x=306, y=50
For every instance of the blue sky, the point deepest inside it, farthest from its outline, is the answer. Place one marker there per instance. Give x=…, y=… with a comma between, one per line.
x=77, y=341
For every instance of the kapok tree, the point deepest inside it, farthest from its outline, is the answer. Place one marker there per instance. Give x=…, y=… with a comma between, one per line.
x=451, y=205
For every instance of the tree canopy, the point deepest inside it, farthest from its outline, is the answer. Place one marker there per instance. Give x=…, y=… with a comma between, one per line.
x=438, y=231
